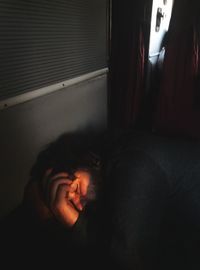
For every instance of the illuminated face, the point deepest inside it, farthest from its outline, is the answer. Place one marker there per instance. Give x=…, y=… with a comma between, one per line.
x=81, y=189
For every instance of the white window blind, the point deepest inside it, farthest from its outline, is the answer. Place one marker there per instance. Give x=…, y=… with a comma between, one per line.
x=43, y=42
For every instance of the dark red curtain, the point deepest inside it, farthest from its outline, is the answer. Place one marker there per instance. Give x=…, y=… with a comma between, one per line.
x=178, y=111
x=128, y=49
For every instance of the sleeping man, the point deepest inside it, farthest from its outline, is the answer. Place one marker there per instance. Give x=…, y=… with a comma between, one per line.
x=127, y=202
x=60, y=215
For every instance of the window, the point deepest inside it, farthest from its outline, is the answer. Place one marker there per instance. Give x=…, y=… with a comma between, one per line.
x=45, y=42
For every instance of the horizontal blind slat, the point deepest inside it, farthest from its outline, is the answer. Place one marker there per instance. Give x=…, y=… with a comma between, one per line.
x=44, y=42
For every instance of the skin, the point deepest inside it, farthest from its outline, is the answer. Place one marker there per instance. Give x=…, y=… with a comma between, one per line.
x=63, y=197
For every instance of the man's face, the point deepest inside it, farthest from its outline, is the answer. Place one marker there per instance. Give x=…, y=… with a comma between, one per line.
x=80, y=189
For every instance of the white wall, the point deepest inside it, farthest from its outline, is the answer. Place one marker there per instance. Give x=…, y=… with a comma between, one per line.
x=156, y=37
x=27, y=127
